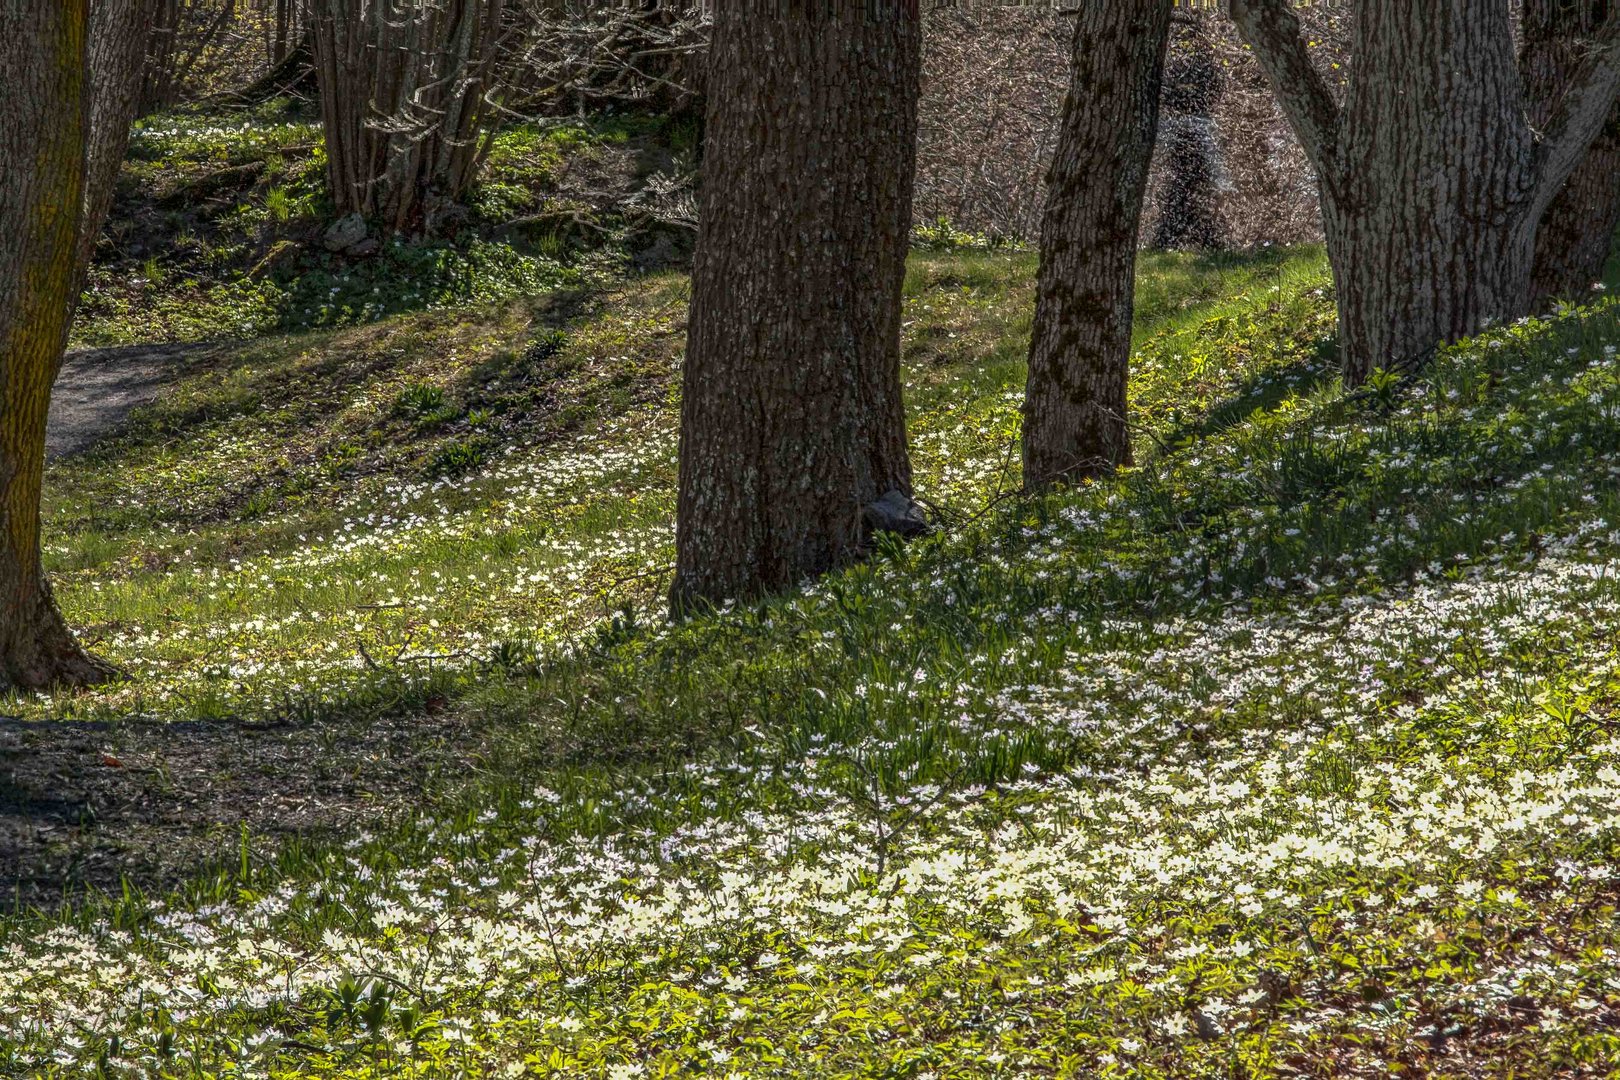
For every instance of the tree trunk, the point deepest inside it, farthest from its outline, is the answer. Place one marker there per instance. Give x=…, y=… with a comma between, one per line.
x=163, y=49
x=44, y=123
x=1433, y=181
x=285, y=32
x=119, y=31
x=1188, y=217
x=1578, y=229
x=403, y=96
x=1427, y=223
x=792, y=424
x=1079, y=355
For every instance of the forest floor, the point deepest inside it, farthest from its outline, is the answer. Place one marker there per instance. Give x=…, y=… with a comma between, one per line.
x=236, y=545
x=1293, y=750
x=98, y=389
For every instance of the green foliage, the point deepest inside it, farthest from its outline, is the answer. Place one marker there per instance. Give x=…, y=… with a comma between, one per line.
x=238, y=203
x=1290, y=749
x=942, y=235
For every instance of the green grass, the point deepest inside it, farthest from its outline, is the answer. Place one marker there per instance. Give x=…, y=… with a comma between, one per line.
x=217, y=234
x=1290, y=751
x=441, y=483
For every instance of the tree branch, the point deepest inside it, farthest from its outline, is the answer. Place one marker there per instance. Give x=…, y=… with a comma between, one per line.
x=1579, y=117
x=1271, y=29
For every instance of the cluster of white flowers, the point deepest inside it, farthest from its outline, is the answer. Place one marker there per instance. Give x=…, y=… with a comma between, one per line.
x=1280, y=804
x=1284, y=832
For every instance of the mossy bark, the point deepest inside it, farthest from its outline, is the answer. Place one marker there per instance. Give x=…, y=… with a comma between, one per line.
x=1074, y=399
x=43, y=136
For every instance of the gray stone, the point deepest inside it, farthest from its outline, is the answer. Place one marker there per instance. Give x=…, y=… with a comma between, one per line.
x=895, y=512
x=369, y=246
x=345, y=232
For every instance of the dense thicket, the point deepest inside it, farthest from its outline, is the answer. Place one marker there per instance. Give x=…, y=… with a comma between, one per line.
x=403, y=98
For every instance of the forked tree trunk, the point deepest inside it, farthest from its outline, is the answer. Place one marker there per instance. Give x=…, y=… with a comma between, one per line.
x=1433, y=181
x=1079, y=355
x=44, y=120
x=791, y=416
x=1428, y=220
x=1577, y=232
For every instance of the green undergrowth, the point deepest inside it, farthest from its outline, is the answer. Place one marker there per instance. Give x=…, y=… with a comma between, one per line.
x=217, y=226
x=297, y=514
x=1290, y=751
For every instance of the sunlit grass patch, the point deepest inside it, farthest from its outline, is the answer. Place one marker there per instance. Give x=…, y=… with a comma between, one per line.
x=1291, y=750
x=298, y=513
x=220, y=219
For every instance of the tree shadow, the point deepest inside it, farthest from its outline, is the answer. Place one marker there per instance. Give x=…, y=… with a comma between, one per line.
x=1258, y=392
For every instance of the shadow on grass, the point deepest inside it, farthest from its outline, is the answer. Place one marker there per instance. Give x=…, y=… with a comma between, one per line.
x=1258, y=392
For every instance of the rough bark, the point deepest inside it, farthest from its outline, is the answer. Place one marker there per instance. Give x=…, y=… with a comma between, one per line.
x=1428, y=223
x=1074, y=401
x=1433, y=180
x=1577, y=232
x=44, y=121
x=119, y=32
x=403, y=97
x=792, y=422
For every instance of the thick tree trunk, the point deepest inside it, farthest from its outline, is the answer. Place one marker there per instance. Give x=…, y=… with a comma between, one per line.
x=792, y=424
x=1433, y=181
x=1074, y=401
x=1427, y=222
x=1188, y=214
x=44, y=121
x=1577, y=231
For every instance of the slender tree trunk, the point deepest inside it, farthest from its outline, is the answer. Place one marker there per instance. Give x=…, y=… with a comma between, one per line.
x=119, y=33
x=281, y=41
x=1577, y=232
x=1433, y=181
x=1074, y=401
x=792, y=425
x=44, y=120
x=163, y=51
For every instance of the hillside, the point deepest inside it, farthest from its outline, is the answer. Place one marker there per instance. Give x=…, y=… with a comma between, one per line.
x=1291, y=751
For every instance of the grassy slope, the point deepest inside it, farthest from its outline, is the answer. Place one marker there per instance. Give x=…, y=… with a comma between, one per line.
x=438, y=484
x=1290, y=751
x=217, y=226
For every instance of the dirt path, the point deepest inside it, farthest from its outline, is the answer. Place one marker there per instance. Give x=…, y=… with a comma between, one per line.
x=98, y=388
